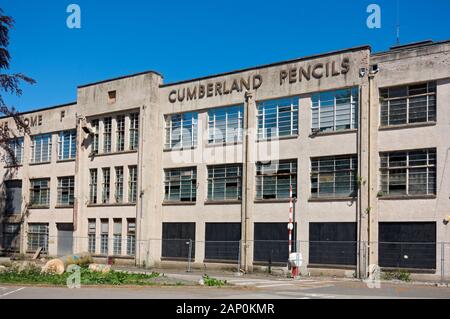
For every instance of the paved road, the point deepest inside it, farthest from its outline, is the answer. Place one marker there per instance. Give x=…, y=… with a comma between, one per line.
x=243, y=289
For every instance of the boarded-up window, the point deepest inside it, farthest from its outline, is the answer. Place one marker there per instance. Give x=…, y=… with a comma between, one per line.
x=176, y=238
x=13, y=197
x=222, y=241
x=271, y=243
x=407, y=245
x=332, y=243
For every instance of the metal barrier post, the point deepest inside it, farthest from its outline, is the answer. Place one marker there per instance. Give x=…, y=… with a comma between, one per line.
x=189, y=254
x=239, y=258
x=442, y=262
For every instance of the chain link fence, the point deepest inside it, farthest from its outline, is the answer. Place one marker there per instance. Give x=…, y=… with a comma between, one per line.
x=413, y=257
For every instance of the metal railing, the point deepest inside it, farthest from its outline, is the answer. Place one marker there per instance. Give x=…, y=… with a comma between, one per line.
x=432, y=258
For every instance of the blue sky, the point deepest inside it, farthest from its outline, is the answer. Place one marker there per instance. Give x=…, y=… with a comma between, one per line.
x=187, y=39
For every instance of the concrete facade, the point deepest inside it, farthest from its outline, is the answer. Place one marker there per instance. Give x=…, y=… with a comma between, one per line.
x=147, y=95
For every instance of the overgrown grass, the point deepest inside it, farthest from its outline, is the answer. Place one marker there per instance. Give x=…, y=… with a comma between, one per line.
x=114, y=278
x=210, y=281
x=397, y=275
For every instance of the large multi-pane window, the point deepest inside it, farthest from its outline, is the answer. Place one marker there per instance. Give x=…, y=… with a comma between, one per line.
x=16, y=155
x=408, y=172
x=335, y=110
x=134, y=131
x=225, y=124
x=91, y=236
x=132, y=184
x=93, y=181
x=278, y=118
x=11, y=237
x=181, y=130
x=274, y=179
x=67, y=146
x=66, y=190
x=107, y=131
x=95, y=138
x=333, y=176
x=119, y=185
x=408, y=104
x=181, y=184
x=106, y=185
x=39, y=192
x=120, y=133
x=131, y=237
x=117, y=244
x=224, y=182
x=41, y=148
x=104, y=240
x=38, y=237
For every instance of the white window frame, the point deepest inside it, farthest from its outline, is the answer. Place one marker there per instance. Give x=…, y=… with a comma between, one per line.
x=37, y=143
x=169, y=129
x=175, y=180
x=70, y=188
x=217, y=135
x=262, y=107
x=431, y=96
x=134, y=131
x=70, y=137
x=353, y=110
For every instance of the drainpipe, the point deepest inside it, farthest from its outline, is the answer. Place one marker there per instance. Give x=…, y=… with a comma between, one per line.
x=140, y=194
x=244, y=208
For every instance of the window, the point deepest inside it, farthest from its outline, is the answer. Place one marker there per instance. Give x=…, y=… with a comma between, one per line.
x=37, y=237
x=134, y=131
x=104, y=237
x=132, y=184
x=91, y=235
x=408, y=172
x=273, y=180
x=176, y=238
x=66, y=190
x=278, y=118
x=107, y=130
x=416, y=240
x=332, y=243
x=120, y=133
x=16, y=155
x=224, y=182
x=222, y=241
x=408, y=104
x=271, y=243
x=225, y=125
x=13, y=190
x=112, y=97
x=117, y=246
x=93, y=180
x=181, y=184
x=11, y=237
x=106, y=185
x=39, y=192
x=181, y=130
x=333, y=176
x=95, y=139
x=41, y=148
x=67, y=146
x=119, y=185
x=131, y=237
x=335, y=110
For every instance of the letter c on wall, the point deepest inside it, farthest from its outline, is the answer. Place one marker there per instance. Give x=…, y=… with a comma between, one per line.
x=173, y=96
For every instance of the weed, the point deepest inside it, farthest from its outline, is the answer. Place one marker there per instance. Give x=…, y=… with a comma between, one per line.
x=210, y=281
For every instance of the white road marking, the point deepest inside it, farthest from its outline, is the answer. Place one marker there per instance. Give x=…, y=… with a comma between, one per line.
x=273, y=285
x=11, y=292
